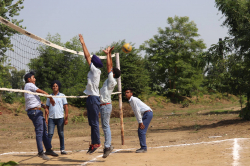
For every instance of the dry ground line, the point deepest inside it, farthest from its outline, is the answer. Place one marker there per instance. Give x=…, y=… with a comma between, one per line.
x=235, y=152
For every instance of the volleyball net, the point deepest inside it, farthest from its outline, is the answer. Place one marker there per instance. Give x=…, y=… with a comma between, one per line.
x=25, y=47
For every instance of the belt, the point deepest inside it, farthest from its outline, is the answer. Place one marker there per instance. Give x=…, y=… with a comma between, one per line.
x=147, y=111
x=36, y=108
x=104, y=104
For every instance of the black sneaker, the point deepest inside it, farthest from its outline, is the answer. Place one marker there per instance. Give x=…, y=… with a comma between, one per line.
x=63, y=152
x=51, y=152
x=107, y=151
x=43, y=156
x=141, y=150
x=92, y=148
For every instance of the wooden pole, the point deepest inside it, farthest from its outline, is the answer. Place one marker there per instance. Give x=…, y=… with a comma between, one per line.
x=120, y=98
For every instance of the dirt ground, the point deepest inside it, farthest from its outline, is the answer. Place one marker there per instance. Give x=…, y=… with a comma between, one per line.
x=202, y=134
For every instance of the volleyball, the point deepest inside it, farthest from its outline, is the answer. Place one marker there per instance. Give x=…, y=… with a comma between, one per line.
x=126, y=48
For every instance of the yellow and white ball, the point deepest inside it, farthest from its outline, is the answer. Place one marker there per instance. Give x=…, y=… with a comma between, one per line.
x=126, y=48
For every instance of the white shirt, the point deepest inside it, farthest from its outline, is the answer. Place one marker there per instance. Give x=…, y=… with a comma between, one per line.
x=56, y=111
x=107, y=88
x=92, y=87
x=31, y=101
x=138, y=107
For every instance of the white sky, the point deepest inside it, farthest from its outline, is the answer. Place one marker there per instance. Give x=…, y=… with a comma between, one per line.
x=104, y=21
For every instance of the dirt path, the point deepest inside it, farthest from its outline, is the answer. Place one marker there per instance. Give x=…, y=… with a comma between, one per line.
x=172, y=140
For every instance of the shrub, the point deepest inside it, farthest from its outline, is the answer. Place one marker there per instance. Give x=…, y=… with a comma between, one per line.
x=9, y=97
x=245, y=112
x=78, y=118
x=185, y=103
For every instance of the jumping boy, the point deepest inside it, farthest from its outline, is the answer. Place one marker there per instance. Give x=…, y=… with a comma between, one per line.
x=106, y=106
x=56, y=114
x=143, y=114
x=33, y=107
x=93, y=100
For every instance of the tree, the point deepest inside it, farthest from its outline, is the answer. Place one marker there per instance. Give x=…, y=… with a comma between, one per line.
x=176, y=54
x=53, y=64
x=17, y=79
x=237, y=19
x=133, y=71
x=8, y=11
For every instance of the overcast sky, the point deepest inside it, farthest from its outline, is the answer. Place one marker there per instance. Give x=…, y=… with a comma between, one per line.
x=104, y=21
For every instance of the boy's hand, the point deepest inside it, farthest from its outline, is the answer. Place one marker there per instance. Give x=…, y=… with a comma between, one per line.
x=111, y=49
x=52, y=101
x=141, y=126
x=106, y=50
x=81, y=39
x=66, y=121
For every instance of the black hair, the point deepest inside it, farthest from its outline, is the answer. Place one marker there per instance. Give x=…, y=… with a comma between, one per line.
x=129, y=88
x=117, y=72
x=56, y=82
x=28, y=75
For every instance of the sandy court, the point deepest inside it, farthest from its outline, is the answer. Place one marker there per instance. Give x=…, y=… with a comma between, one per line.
x=219, y=152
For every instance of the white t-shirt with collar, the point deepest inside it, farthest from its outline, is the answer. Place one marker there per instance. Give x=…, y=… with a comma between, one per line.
x=92, y=87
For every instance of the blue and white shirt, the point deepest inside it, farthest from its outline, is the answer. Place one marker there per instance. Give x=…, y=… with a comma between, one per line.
x=107, y=88
x=31, y=101
x=57, y=111
x=92, y=87
x=138, y=107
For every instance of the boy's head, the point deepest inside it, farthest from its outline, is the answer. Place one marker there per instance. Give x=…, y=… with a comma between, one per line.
x=116, y=72
x=56, y=85
x=128, y=93
x=30, y=78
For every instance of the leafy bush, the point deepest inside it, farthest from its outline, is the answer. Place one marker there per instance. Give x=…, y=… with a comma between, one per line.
x=10, y=163
x=9, y=97
x=78, y=118
x=245, y=112
x=185, y=103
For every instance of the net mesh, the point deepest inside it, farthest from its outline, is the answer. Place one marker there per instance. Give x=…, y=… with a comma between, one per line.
x=25, y=48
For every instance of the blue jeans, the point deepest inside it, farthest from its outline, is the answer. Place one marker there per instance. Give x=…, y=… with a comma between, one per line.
x=105, y=117
x=93, y=109
x=36, y=116
x=60, y=125
x=146, y=119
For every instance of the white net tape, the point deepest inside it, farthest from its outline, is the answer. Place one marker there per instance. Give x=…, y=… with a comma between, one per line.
x=40, y=94
x=48, y=43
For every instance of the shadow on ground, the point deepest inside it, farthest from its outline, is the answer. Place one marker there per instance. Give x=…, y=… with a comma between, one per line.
x=200, y=127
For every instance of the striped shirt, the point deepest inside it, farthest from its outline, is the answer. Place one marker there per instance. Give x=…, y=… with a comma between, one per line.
x=107, y=89
x=138, y=107
x=92, y=87
x=31, y=101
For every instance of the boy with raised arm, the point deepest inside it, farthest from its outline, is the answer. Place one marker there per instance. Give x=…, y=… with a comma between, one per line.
x=93, y=100
x=56, y=114
x=33, y=107
x=143, y=114
x=106, y=106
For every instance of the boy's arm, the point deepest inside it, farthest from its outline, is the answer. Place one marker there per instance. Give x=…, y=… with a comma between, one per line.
x=137, y=112
x=43, y=92
x=109, y=59
x=85, y=50
x=66, y=114
x=46, y=114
